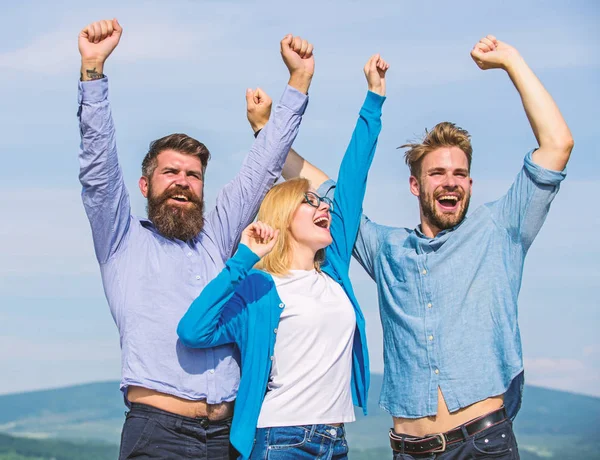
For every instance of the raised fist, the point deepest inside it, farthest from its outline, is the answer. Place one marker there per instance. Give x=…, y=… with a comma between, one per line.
x=297, y=55
x=375, y=70
x=260, y=238
x=490, y=53
x=98, y=40
x=258, y=108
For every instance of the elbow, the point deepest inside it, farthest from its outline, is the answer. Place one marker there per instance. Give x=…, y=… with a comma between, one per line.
x=561, y=142
x=187, y=336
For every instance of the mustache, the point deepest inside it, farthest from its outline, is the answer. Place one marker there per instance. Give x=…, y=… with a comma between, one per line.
x=177, y=190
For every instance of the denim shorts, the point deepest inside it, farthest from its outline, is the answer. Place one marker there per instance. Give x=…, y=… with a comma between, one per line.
x=323, y=442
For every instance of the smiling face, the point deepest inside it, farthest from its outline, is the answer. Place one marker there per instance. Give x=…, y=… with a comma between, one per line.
x=310, y=225
x=175, y=195
x=443, y=188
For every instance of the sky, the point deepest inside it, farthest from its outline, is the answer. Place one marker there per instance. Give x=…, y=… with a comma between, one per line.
x=183, y=66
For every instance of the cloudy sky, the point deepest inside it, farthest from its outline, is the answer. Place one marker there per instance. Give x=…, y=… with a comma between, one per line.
x=183, y=66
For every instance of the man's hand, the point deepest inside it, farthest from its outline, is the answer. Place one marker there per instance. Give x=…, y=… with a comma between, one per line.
x=490, y=53
x=258, y=108
x=260, y=238
x=375, y=70
x=96, y=42
x=298, y=56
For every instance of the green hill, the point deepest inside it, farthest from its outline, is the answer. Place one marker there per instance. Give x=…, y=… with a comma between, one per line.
x=551, y=424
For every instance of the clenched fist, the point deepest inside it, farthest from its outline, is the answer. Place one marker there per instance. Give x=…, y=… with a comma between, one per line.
x=375, y=70
x=96, y=42
x=258, y=108
x=260, y=238
x=491, y=53
x=298, y=56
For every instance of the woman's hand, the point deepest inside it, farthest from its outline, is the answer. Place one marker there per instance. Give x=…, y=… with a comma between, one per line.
x=260, y=238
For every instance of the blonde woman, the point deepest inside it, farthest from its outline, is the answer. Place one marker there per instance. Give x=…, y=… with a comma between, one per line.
x=294, y=317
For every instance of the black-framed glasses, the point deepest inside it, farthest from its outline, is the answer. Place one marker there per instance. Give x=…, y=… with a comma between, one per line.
x=315, y=200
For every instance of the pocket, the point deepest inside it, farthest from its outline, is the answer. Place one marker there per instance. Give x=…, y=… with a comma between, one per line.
x=287, y=437
x=494, y=442
x=136, y=435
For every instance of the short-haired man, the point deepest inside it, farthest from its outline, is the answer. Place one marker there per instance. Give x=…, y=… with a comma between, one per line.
x=453, y=367
x=152, y=269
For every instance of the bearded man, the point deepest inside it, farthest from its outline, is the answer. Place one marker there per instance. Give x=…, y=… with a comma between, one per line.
x=448, y=289
x=180, y=399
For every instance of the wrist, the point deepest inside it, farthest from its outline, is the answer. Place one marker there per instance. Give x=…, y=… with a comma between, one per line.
x=513, y=63
x=380, y=90
x=300, y=80
x=92, y=69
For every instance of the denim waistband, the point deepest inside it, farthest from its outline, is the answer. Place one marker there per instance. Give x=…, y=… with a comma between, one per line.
x=326, y=431
x=175, y=420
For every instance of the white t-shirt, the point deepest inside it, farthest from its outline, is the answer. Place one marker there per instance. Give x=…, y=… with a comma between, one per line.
x=312, y=365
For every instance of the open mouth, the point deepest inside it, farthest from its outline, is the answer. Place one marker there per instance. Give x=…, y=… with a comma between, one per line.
x=179, y=198
x=448, y=202
x=322, y=222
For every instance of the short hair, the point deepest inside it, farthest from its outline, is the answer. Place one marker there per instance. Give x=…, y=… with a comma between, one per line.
x=277, y=210
x=181, y=143
x=443, y=134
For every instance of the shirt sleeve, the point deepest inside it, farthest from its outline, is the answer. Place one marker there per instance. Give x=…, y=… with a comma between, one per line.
x=352, y=179
x=104, y=194
x=523, y=210
x=238, y=202
x=216, y=317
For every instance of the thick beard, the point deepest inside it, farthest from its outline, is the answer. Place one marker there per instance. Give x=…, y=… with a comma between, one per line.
x=176, y=222
x=440, y=220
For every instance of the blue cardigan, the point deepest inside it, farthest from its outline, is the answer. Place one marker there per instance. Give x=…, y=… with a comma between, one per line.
x=241, y=305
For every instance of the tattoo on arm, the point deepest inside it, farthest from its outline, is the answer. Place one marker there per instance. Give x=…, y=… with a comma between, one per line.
x=93, y=75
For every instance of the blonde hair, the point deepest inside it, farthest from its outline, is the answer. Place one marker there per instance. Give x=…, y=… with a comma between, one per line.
x=443, y=134
x=277, y=210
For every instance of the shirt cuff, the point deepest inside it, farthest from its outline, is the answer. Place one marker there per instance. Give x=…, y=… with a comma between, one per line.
x=542, y=175
x=373, y=103
x=294, y=100
x=327, y=188
x=93, y=91
x=245, y=257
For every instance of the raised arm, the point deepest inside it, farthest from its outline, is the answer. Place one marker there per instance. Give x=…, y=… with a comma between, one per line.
x=238, y=202
x=104, y=195
x=354, y=170
x=217, y=316
x=550, y=129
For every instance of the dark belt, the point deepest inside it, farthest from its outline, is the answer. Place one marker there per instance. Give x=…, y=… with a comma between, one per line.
x=436, y=443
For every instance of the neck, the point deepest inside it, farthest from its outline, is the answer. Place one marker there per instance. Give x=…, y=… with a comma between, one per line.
x=303, y=258
x=428, y=229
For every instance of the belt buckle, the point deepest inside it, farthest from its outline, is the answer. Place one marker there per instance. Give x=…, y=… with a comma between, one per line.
x=443, y=446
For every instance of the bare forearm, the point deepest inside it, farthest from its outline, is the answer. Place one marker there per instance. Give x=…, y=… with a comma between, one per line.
x=297, y=166
x=549, y=127
x=91, y=70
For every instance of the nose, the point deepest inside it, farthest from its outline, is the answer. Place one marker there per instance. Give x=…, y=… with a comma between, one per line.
x=450, y=181
x=323, y=206
x=182, y=180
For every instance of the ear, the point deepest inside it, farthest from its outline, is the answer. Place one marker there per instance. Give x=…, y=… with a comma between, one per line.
x=143, y=183
x=415, y=189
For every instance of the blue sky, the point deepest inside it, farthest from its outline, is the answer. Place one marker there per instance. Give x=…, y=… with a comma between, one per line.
x=183, y=66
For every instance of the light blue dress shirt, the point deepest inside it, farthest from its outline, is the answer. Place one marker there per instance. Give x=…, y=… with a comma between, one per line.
x=449, y=304
x=150, y=281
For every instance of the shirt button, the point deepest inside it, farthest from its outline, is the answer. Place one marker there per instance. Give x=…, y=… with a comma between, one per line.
x=281, y=305
x=189, y=254
x=424, y=272
x=437, y=371
x=212, y=371
x=429, y=305
x=275, y=330
x=430, y=337
x=271, y=358
x=197, y=277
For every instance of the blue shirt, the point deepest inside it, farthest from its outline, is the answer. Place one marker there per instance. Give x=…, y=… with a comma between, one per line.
x=449, y=304
x=242, y=305
x=149, y=280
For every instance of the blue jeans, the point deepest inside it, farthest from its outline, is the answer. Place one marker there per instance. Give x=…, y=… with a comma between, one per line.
x=150, y=433
x=323, y=442
x=497, y=442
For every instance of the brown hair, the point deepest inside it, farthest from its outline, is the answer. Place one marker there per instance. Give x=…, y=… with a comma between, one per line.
x=277, y=210
x=443, y=134
x=181, y=143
